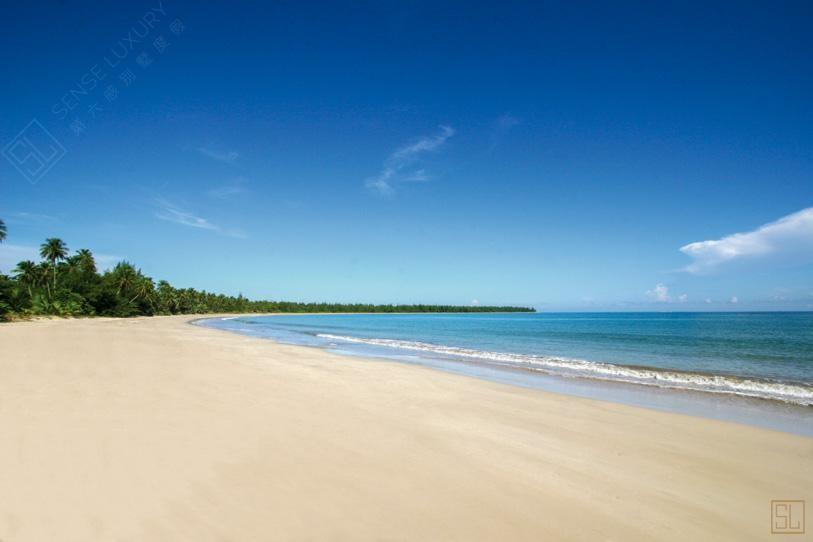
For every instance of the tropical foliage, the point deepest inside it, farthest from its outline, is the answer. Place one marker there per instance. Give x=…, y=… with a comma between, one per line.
x=70, y=285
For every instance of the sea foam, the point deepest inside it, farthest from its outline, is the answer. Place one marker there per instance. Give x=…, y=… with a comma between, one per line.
x=794, y=393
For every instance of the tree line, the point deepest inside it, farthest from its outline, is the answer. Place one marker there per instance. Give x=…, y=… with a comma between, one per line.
x=65, y=284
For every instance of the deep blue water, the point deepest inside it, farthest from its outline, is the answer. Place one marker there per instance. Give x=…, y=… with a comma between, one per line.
x=765, y=355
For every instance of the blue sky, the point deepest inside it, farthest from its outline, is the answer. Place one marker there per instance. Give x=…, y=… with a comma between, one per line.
x=567, y=156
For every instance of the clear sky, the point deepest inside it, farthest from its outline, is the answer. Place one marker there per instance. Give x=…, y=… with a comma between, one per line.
x=563, y=155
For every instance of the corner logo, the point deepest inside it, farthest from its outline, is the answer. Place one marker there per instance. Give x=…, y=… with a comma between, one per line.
x=787, y=517
x=34, y=151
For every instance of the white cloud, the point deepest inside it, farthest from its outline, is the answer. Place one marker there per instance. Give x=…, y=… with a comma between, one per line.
x=220, y=156
x=708, y=301
x=659, y=293
x=734, y=299
x=475, y=302
x=683, y=298
x=171, y=213
x=396, y=166
x=791, y=234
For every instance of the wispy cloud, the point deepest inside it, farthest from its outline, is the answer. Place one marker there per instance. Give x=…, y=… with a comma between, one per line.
x=419, y=176
x=169, y=212
x=382, y=184
x=219, y=155
x=422, y=145
x=230, y=188
x=397, y=167
x=172, y=213
x=790, y=235
x=504, y=124
x=23, y=217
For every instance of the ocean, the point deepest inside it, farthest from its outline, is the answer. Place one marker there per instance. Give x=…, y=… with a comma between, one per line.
x=766, y=357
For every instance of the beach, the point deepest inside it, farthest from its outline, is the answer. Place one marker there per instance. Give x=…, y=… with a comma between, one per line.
x=154, y=429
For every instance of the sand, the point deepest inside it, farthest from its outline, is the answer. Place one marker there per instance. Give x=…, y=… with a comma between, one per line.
x=154, y=429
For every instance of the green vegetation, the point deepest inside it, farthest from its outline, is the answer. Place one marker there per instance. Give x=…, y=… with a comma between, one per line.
x=70, y=285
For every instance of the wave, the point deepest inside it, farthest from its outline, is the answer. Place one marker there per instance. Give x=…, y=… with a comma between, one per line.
x=794, y=393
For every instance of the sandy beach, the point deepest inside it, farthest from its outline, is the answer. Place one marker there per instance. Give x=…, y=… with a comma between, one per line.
x=154, y=429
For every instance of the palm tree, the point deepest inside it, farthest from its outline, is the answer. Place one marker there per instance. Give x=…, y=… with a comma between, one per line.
x=72, y=265
x=86, y=261
x=27, y=273
x=167, y=297
x=54, y=250
x=2, y=231
x=124, y=276
x=144, y=287
x=41, y=276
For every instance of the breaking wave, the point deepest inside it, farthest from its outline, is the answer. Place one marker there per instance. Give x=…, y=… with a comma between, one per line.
x=795, y=393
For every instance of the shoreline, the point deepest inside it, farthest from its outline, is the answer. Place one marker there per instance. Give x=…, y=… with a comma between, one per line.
x=770, y=412
x=152, y=428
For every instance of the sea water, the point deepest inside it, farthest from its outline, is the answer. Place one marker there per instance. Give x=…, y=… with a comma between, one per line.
x=748, y=367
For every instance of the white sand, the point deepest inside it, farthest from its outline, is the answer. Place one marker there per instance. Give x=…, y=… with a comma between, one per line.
x=152, y=429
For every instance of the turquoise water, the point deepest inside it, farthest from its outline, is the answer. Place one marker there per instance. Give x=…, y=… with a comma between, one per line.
x=761, y=355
